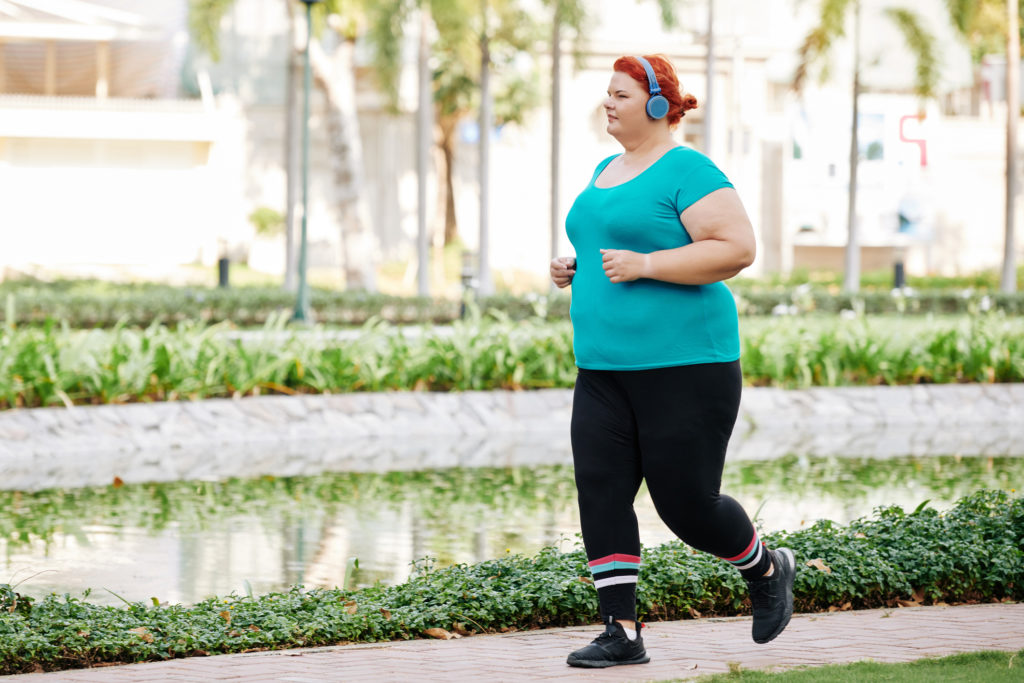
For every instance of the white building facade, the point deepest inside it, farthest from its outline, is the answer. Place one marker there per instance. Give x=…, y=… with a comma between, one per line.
x=115, y=146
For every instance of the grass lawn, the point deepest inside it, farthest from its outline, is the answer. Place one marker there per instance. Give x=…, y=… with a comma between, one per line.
x=989, y=667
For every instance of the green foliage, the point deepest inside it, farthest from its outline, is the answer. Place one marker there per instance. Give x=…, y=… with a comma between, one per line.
x=818, y=43
x=510, y=32
x=204, y=17
x=86, y=303
x=971, y=553
x=922, y=45
x=981, y=24
x=267, y=221
x=56, y=365
x=991, y=667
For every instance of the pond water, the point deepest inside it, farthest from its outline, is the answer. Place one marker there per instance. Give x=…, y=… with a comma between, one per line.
x=182, y=542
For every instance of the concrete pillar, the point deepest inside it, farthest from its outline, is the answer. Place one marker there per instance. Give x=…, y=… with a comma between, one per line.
x=3, y=69
x=102, y=70
x=773, y=242
x=50, y=81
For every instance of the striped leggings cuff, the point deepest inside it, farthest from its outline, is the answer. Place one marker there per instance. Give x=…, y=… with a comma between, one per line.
x=750, y=556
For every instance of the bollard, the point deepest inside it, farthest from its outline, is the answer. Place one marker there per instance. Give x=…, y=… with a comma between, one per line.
x=468, y=280
x=222, y=272
x=899, y=278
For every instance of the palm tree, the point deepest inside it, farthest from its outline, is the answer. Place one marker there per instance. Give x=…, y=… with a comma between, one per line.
x=472, y=37
x=991, y=27
x=334, y=76
x=816, y=47
x=1008, y=278
x=571, y=15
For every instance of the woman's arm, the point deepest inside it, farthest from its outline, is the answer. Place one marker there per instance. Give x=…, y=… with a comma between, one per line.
x=723, y=245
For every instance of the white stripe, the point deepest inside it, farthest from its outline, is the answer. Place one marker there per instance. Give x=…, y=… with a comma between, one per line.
x=613, y=580
x=753, y=562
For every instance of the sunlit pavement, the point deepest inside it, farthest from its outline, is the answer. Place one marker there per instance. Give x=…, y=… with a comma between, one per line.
x=678, y=649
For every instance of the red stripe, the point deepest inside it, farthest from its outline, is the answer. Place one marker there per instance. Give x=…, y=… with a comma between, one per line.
x=617, y=557
x=744, y=553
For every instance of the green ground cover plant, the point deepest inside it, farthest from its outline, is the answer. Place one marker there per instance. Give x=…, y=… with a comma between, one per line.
x=971, y=553
x=90, y=303
x=971, y=667
x=57, y=365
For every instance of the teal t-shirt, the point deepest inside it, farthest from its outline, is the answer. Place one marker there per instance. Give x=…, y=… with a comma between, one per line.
x=646, y=323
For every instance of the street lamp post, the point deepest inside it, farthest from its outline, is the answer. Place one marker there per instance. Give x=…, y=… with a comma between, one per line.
x=301, y=314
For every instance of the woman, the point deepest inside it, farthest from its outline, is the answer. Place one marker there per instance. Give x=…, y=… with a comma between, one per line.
x=656, y=338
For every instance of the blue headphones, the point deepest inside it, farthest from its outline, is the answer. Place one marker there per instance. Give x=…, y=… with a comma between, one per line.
x=657, y=105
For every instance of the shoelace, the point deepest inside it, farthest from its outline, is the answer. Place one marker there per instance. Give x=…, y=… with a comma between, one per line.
x=762, y=593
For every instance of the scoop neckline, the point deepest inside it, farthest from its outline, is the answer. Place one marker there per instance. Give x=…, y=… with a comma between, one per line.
x=593, y=182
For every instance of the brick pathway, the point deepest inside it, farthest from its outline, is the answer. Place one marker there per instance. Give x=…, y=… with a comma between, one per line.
x=679, y=649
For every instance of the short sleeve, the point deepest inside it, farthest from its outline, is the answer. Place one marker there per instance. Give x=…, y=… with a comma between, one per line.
x=702, y=179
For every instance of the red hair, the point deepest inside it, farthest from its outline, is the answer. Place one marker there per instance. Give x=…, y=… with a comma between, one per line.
x=679, y=103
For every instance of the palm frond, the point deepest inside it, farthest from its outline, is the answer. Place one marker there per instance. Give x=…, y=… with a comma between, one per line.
x=204, y=17
x=386, y=21
x=816, y=45
x=922, y=44
x=962, y=14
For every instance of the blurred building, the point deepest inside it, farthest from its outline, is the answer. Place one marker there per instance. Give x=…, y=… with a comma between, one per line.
x=103, y=160
x=120, y=143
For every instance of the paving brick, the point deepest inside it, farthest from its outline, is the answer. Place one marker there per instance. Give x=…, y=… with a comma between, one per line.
x=679, y=650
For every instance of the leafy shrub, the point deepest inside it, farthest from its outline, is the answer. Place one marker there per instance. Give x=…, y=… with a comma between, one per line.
x=268, y=222
x=56, y=365
x=971, y=553
x=95, y=304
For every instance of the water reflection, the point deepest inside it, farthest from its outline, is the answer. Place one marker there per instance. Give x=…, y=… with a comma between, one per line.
x=184, y=541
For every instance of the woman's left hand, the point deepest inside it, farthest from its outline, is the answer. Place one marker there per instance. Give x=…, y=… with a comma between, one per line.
x=621, y=265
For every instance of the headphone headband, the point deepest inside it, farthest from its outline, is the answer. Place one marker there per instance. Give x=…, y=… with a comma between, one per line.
x=652, y=80
x=657, y=106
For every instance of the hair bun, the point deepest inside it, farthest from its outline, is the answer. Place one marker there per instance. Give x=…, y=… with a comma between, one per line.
x=689, y=102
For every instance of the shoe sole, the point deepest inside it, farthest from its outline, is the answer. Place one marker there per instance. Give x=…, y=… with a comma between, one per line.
x=605, y=663
x=789, y=599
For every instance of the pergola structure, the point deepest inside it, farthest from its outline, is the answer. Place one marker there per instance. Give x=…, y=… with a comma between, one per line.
x=84, y=48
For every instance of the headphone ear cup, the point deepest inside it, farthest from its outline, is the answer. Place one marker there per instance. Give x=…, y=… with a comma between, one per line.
x=657, y=107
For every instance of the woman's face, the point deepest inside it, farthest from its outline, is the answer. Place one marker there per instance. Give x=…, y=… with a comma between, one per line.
x=626, y=106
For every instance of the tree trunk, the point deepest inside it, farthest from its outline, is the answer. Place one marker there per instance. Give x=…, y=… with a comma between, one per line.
x=710, y=79
x=976, y=85
x=334, y=76
x=556, y=130
x=447, y=125
x=1008, y=280
x=486, y=281
x=424, y=129
x=851, y=260
x=293, y=124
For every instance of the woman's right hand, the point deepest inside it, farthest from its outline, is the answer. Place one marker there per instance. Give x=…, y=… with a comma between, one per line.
x=563, y=269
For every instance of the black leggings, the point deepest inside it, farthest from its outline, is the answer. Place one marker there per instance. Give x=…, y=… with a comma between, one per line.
x=671, y=427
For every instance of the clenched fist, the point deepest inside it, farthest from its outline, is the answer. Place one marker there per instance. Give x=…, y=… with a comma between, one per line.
x=621, y=265
x=563, y=269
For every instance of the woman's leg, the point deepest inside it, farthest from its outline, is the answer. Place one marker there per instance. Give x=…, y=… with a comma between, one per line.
x=607, y=467
x=685, y=416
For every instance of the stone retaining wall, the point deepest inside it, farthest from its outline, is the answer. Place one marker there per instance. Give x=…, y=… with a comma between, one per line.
x=90, y=445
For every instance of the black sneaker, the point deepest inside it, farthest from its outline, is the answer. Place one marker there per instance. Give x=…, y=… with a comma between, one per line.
x=772, y=597
x=610, y=649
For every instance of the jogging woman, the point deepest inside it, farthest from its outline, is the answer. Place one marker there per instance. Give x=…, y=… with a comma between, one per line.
x=656, y=338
